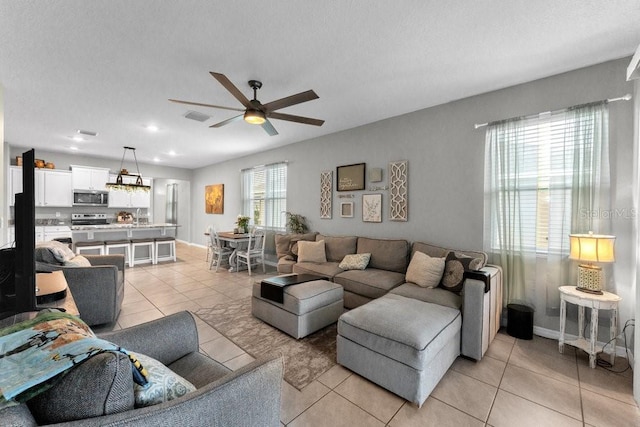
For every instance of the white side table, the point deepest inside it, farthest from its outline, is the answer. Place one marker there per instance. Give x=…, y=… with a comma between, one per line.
x=606, y=301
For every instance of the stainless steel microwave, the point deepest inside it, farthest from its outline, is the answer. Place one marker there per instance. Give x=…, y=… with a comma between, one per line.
x=90, y=198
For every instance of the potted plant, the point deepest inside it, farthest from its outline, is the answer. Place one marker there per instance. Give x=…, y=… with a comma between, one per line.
x=296, y=223
x=243, y=223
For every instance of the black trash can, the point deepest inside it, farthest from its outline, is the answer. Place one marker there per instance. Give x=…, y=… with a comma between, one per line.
x=520, y=321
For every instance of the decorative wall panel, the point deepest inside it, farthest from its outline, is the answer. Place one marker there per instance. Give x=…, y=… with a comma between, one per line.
x=326, y=184
x=398, y=194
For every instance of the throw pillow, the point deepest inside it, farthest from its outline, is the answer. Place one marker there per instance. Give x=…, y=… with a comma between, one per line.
x=78, y=261
x=455, y=266
x=355, y=261
x=59, y=250
x=311, y=251
x=164, y=384
x=424, y=270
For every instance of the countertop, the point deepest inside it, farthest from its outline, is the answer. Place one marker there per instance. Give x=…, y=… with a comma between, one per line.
x=119, y=226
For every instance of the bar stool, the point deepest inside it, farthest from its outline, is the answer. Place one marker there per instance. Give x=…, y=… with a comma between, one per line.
x=117, y=244
x=136, y=243
x=171, y=243
x=89, y=246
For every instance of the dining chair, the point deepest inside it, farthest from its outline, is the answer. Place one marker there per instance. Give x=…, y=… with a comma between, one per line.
x=207, y=236
x=218, y=251
x=254, y=252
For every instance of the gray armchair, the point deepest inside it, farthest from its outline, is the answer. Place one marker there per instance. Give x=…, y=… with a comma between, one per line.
x=249, y=396
x=97, y=290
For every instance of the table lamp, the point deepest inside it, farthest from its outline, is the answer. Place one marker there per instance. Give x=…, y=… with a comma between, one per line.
x=588, y=249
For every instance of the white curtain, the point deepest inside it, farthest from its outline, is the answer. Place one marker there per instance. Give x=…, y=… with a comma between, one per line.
x=546, y=177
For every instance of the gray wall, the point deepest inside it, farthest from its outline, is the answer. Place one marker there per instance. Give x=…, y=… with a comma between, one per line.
x=446, y=166
x=183, y=232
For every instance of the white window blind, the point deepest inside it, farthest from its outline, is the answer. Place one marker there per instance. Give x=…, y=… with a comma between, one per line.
x=540, y=163
x=264, y=195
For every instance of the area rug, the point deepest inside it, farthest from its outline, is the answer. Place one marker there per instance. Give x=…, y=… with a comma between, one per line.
x=305, y=359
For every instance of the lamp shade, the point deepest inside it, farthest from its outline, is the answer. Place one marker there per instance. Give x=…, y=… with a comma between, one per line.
x=592, y=247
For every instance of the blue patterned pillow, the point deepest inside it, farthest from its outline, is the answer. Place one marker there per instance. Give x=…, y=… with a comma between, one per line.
x=164, y=384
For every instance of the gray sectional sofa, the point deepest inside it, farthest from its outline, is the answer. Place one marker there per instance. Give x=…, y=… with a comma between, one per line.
x=398, y=334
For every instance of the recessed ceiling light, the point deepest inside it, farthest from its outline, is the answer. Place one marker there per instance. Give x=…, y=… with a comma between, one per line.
x=155, y=159
x=152, y=128
x=74, y=148
x=172, y=153
x=77, y=138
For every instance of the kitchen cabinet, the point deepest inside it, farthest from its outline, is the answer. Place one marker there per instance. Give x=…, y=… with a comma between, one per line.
x=51, y=232
x=52, y=187
x=86, y=178
x=130, y=199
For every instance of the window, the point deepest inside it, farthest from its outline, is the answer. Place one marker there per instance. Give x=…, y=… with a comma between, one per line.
x=264, y=195
x=541, y=169
x=546, y=177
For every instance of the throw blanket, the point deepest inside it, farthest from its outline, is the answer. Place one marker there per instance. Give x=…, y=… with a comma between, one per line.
x=36, y=352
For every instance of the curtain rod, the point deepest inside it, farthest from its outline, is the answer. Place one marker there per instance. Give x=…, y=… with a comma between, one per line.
x=264, y=166
x=627, y=97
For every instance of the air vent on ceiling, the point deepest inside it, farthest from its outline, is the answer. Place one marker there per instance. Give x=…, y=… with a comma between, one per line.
x=86, y=132
x=194, y=115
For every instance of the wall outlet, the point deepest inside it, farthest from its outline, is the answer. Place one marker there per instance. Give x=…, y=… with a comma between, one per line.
x=57, y=214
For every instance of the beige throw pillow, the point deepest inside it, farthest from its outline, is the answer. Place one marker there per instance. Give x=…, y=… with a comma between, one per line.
x=355, y=261
x=311, y=251
x=425, y=271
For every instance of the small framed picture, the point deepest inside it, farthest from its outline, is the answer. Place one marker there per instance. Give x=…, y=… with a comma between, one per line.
x=346, y=209
x=372, y=207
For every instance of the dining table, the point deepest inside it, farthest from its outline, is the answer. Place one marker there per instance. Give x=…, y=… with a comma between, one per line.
x=236, y=241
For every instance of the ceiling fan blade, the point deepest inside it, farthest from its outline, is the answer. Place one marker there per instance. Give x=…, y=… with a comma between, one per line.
x=291, y=100
x=226, y=122
x=224, y=81
x=199, y=104
x=268, y=127
x=297, y=119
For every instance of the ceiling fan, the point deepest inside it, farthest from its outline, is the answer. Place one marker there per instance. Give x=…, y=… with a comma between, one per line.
x=257, y=113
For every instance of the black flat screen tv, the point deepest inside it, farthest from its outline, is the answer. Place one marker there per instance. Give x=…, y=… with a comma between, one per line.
x=18, y=290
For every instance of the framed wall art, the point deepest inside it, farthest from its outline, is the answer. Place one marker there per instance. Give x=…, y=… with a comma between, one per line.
x=351, y=177
x=372, y=207
x=398, y=206
x=214, y=199
x=346, y=209
x=325, y=194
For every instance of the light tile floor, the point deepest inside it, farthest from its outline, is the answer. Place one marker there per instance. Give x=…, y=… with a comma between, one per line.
x=518, y=382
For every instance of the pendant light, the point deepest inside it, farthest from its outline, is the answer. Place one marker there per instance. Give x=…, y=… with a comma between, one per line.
x=119, y=185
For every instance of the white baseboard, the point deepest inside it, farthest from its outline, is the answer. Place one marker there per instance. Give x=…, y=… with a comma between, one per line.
x=555, y=335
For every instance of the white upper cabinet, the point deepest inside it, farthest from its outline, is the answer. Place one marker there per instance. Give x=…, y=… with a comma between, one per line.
x=86, y=178
x=52, y=187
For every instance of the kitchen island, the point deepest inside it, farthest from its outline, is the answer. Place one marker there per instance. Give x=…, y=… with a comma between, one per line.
x=115, y=231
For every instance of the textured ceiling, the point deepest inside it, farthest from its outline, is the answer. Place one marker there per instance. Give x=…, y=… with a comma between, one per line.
x=110, y=66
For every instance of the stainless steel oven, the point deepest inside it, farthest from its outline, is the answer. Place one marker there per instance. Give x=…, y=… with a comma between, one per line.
x=90, y=198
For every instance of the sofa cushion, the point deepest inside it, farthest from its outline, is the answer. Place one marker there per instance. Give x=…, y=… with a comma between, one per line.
x=98, y=386
x=285, y=266
x=371, y=282
x=404, y=329
x=439, y=251
x=164, y=384
x=285, y=243
x=311, y=251
x=355, y=261
x=53, y=252
x=337, y=247
x=433, y=295
x=77, y=261
x=455, y=266
x=325, y=269
x=425, y=271
x=386, y=254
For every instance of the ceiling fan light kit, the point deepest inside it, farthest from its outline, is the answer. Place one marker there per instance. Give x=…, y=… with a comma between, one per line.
x=255, y=112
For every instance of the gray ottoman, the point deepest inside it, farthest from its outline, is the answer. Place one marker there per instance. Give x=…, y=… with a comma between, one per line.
x=402, y=344
x=307, y=307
